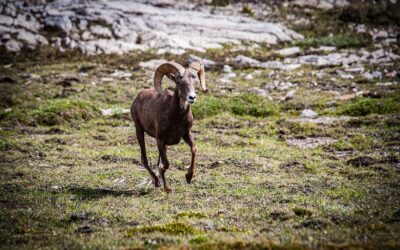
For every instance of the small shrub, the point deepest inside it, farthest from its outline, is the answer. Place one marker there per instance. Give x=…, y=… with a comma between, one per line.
x=190, y=215
x=251, y=104
x=302, y=212
x=198, y=239
x=221, y=3
x=247, y=11
x=339, y=41
x=207, y=106
x=59, y=111
x=175, y=228
x=366, y=106
x=3, y=144
x=383, y=13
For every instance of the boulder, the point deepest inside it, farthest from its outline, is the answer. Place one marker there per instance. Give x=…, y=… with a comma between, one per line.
x=13, y=46
x=208, y=64
x=288, y=51
x=308, y=113
x=246, y=61
x=62, y=23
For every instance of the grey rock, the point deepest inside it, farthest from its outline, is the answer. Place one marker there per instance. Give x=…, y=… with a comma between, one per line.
x=114, y=111
x=62, y=23
x=28, y=22
x=227, y=69
x=6, y=20
x=290, y=94
x=279, y=65
x=120, y=29
x=248, y=77
x=381, y=34
x=152, y=64
x=208, y=64
x=121, y=74
x=377, y=74
x=5, y=37
x=323, y=49
x=86, y=36
x=27, y=37
x=260, y=91
x=308, y=113
x=288, y=51
x=246, y=61
x=13, y=46
x=10, y=10
x=83, y=24
x=368, y=76
x=101, y=31
x=358, y=69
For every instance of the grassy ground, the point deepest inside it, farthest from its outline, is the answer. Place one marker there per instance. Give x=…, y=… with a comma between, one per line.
x=265, y=179
x=70, y=177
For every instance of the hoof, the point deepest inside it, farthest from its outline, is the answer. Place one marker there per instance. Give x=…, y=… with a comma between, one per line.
x=189, y=177
x=156, y=182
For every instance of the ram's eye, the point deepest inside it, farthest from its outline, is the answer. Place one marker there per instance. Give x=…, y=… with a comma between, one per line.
x=192, y=76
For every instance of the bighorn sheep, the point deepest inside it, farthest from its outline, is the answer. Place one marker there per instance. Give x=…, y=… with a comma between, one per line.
x=166, y=115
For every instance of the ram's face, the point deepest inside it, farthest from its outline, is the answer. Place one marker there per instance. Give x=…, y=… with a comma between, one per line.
x=186, y=85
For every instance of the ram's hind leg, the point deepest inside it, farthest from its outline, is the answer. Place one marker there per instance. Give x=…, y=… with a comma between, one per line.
x=188, y=138
x=140, y=137
x=162, y=149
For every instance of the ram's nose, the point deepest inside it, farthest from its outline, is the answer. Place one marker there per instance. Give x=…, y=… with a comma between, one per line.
x=192, y=98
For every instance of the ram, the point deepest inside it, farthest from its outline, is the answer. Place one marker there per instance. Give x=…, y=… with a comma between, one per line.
x=166, y=115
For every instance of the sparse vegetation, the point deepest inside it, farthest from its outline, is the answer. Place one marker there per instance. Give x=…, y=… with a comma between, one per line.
x=338, y=41
x=70, y=177
x=366, y=106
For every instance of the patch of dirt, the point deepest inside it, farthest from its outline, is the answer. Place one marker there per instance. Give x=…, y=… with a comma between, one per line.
x=310, y=142
x=321, y=120
x=293, y=165
x=280, y=216
x=315, y=223
x=362, y=161
x=114, y=159
x=85, y=230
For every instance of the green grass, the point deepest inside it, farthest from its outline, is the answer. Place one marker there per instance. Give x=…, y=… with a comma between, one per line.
x=60, y=158
x=244, y=104
x=174, y=228
x=366, y=106
x=338, y=41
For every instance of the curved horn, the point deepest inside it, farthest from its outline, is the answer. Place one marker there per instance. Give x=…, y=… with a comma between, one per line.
x=165, y=68
x=199, y=68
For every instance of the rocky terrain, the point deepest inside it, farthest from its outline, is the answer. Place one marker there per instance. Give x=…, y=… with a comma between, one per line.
x=298, y=136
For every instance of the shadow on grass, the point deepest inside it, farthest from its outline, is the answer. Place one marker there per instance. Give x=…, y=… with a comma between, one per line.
x=97, y=193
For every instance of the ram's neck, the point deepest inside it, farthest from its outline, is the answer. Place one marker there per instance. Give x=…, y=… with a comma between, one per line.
x=182, y=106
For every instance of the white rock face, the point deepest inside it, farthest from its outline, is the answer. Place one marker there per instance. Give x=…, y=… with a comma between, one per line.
x=118, y=26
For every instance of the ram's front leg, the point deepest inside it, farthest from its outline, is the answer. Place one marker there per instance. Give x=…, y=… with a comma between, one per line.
x=188, y=138
x=162, y=149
